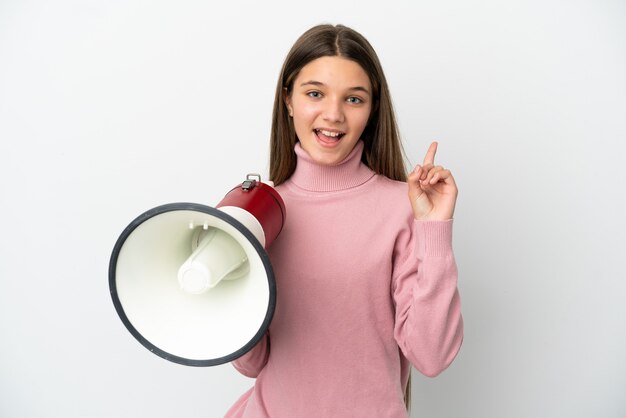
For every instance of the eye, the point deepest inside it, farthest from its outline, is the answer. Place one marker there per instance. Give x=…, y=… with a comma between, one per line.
x=314, y=94
x=354, y=100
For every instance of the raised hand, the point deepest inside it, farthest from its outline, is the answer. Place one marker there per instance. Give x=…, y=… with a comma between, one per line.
x=432, y=189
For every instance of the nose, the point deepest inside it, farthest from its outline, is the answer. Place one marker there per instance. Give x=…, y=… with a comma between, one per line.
x=333, y=111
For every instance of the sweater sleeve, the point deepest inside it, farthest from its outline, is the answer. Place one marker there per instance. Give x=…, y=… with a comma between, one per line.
x=251, y=363
x=428, y=323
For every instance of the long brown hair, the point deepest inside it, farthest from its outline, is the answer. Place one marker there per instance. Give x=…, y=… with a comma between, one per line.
x=383, y=151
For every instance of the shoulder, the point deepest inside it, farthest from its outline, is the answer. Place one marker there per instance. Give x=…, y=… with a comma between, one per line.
x=378, y=196
x=395, y=197
x=392, y=189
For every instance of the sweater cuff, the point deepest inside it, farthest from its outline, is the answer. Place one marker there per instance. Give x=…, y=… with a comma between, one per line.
x=433, y=238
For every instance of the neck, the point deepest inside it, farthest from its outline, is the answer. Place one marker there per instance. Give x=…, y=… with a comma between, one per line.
x=312, y=176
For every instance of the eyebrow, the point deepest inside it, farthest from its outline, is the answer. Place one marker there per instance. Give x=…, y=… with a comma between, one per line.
x=319, y=83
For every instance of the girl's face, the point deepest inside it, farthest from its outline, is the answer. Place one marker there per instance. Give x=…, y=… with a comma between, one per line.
x=331, y=101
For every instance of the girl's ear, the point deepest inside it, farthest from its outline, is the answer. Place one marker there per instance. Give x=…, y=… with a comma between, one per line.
x=287, y=100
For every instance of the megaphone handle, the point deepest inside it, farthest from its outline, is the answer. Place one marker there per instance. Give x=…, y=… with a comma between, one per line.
x=250, y=181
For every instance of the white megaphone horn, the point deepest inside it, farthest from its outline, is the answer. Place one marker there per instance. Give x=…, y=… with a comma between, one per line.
x=193, y=283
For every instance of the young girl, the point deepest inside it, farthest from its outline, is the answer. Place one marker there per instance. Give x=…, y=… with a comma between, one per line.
x=366, y=277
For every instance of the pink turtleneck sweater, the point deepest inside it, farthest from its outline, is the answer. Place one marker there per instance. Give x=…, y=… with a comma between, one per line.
x=362, y=290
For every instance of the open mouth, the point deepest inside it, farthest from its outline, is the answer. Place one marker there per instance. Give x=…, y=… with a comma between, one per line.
x=328, y=137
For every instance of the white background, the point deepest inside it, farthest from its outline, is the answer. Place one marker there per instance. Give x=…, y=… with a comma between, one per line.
x=110, y=108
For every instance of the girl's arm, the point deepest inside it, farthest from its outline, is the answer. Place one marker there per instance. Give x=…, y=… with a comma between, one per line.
x=251, y=363
x=428, y=322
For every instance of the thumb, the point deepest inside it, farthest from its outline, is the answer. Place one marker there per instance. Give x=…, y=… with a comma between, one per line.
x=415, y=189
x=420, y=202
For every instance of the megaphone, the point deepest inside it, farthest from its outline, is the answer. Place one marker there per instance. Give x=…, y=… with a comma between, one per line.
x=193, y=283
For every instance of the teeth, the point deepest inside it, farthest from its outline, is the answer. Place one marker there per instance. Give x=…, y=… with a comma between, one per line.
x=328, y=133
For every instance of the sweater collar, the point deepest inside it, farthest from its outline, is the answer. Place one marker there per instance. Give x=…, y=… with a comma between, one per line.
x=312, y=176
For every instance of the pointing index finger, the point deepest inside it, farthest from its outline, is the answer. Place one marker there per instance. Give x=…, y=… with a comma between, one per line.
x=430, y=154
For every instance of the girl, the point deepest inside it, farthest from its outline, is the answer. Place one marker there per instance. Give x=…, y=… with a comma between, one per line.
x=366, y=280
